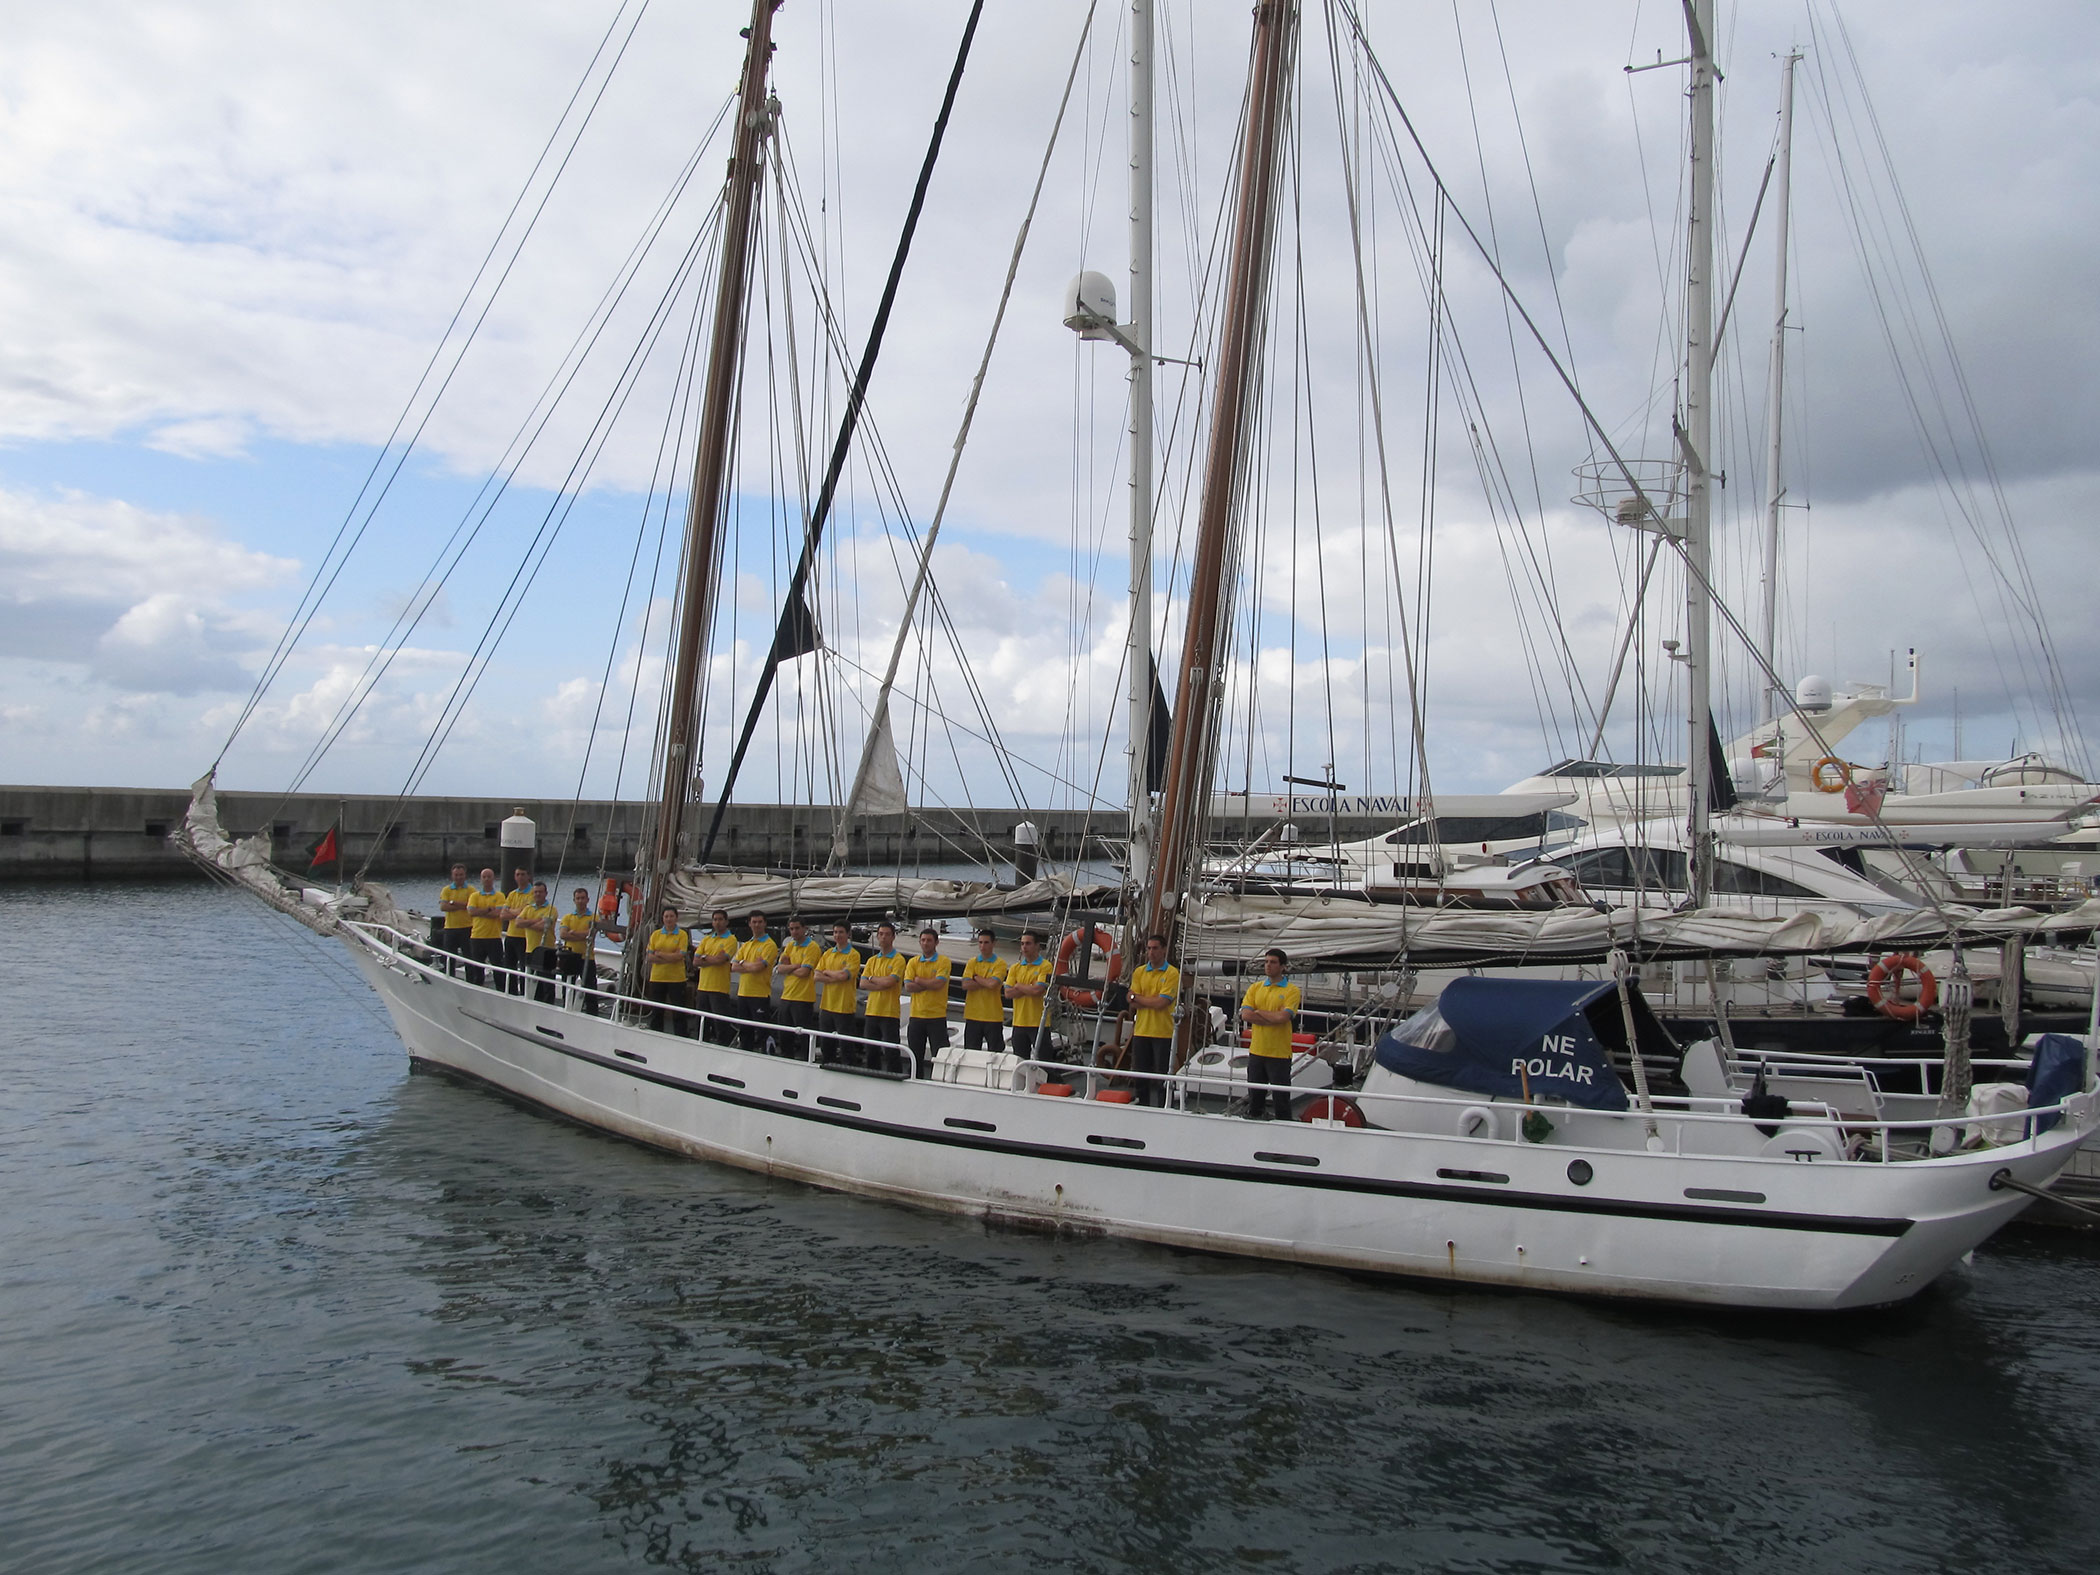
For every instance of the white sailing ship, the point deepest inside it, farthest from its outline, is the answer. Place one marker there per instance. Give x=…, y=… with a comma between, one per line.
x=1583, y=1177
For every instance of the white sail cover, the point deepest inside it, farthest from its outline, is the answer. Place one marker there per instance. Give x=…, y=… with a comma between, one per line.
x=823, y=897
x=1227, y=929
x=246, y=862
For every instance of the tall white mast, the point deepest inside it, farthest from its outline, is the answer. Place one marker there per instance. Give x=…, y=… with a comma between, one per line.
x=1696, y=441
x=1775, y=403
x=1138, y=332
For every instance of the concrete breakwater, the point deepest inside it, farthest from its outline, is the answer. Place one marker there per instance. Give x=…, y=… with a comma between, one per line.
x=78, y=833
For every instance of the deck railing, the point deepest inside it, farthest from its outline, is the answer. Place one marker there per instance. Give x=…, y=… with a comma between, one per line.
x=1857, y=1138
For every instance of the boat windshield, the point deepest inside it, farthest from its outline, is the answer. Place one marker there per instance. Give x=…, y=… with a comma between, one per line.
x=1428, y=1029
x=1604, y=768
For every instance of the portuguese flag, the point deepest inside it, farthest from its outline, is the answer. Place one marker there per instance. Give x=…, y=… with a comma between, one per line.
x=328, y=850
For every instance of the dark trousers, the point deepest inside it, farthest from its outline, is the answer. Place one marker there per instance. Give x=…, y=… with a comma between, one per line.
x=579, y=969
x=800, y=1016
x=717, y=1030
x=843, y=1031
x=984, y=1036
x=541, y=966
x=514, y=959
x=454, y=944
x=755, y=1021
x=926, y=1035
x=883, y=1030
x=484, y=954
x=1031, y=1042
x=668, y=992
x=1149, y=1054
x=1268, y=1077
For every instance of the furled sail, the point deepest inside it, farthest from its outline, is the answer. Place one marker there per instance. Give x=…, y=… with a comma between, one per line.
x=1312, y=930
x=245, y=862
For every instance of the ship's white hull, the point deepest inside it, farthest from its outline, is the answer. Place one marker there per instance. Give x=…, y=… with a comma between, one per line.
x=1729, y=1231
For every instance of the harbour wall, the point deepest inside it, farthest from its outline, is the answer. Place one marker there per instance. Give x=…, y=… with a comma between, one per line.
x=81, y=833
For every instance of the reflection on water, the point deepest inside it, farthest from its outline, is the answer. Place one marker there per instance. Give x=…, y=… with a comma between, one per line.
x=271, y=1302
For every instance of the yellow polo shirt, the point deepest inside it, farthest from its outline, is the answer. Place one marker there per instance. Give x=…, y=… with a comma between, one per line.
x=576, y=932
x=484, y=913
x=883, y=965
x=713, y=951
x=458, y=919
x=929, y=1004
x=840, y=998
x=1155, y=1022
x=984, y=1006
x=519, y=900
x=793, y=987
x=544, y=913
x=1028, y=1009
x=1271, y=1039
x=763, y=950
x=667, y=956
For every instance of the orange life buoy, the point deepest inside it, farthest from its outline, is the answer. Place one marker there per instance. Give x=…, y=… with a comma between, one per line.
x=1103, y=942
x=1830, y=785
x=1331, y=1107
x=1885, y=987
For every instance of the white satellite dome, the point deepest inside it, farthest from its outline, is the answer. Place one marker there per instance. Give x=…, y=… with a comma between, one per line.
x=1813, y=693
x=1090, y=304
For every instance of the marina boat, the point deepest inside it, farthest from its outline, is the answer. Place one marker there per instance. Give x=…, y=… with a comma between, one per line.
x=1524, y=1134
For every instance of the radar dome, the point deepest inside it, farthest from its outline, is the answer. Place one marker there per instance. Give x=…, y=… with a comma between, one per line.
x=1812, y=693
x=1090, y=304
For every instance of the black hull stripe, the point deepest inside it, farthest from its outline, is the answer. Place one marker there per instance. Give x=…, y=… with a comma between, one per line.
x=1118, y=1159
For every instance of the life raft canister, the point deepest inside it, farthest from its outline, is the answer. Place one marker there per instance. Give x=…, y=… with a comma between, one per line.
x=1103, y=942
x=1885, y=987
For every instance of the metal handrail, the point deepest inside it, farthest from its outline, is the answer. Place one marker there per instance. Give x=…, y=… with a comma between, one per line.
x=1823, y=1117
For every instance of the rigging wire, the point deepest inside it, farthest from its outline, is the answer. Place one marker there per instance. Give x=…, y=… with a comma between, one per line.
x=324, y=577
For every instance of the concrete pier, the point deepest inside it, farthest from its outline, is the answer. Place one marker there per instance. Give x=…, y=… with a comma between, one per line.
x=76, y=833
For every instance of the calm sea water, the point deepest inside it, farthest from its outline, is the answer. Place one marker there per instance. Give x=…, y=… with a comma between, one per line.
x=270, y=1302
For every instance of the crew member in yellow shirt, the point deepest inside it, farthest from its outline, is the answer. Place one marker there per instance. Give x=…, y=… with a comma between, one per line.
x=515, y=902
x=838, y=979
x=540, y=918
x=1027, y=986
x=485, y=915
x=926, y=982
x=577, y=961
x=459, y=923
x=713, y=952
x=797, y=973
x=883, y=974
x=984, y=1000
x=753, y=971
x=666, y=984
x=1267, y=1010
x=1155, y=987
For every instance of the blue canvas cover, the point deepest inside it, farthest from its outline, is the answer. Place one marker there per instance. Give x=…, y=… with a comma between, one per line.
x=2057, y=1072
x=1511, y=1038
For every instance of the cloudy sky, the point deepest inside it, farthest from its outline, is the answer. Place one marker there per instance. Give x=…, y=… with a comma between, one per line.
x=233, y=236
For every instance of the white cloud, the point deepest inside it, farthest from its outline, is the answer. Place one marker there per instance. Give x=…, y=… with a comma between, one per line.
x=239, y=226
x=146, y=602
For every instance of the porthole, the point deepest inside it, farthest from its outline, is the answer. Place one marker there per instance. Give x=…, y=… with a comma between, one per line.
x=1580, y=1173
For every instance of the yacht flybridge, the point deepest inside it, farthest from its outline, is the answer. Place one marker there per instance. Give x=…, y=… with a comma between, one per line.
x=1543, y=1137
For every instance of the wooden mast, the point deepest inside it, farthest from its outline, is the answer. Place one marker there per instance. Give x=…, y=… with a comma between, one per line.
x=1198, y=688
x=708, y=495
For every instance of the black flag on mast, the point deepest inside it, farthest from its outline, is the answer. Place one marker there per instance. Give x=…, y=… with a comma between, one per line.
x=1161, y=732
x=796, y=634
